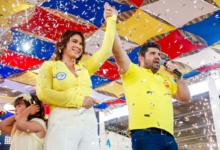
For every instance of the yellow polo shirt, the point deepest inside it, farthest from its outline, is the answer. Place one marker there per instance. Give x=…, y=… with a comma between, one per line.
x=149, y=98
x=56, y=84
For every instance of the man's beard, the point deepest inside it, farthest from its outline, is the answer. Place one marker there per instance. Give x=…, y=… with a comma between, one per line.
x=148, y=66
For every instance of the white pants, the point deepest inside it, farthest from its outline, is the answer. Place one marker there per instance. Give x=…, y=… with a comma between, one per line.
x=67, y=130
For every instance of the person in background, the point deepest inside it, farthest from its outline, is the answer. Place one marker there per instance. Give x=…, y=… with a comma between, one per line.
x=149, y=97
x=27, y=127
x=66, y=86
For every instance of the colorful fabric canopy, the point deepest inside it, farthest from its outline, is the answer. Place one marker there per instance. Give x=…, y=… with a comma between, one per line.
x=109, y=71
x=175, y=44
x=26, y=78
x=48, y=25
x=6, y=71
x=145, y=27
x=207, y=29
x=3, y=31
x=26, y=51
x=96, y=81
x=205, y=57
x=137, y=2
x=10, y=7
x=216, y=47
x=8, y=114
x=101, y=97
x=209, y=67
x=172, y=10
x=113, y=87
x=19, y=61
x=101, y=106
x=91, y=10
x=5, y=99
x=31, y=46
x=217, y=2
x=17, y=86
x=94, y=43
x=118, y=101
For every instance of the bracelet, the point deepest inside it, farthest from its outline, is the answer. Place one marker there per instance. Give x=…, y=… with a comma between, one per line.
x=177, y=78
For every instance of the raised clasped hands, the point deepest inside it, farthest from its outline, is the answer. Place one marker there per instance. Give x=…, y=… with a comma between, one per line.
x=109, y=11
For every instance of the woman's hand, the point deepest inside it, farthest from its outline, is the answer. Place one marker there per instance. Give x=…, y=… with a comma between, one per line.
x=88, y=102
x=109, y=11
x=33, y=109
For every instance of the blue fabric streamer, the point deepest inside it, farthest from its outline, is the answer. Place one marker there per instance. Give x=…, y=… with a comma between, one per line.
x=101, y=106
x=25, y=44
x=191, y=74
x=90, y=10
x=208, y=29
x=122, y=98
x=8, y=114
x=96, y=81
x=6, y=71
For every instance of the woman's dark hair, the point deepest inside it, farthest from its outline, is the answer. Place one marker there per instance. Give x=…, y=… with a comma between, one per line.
x=40, y=114
x=145, y=47
x=62, y=42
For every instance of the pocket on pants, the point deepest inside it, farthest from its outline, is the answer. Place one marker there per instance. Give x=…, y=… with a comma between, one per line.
x=141, y=134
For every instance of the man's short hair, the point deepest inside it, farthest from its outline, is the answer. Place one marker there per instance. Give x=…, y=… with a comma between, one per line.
x=145, y=47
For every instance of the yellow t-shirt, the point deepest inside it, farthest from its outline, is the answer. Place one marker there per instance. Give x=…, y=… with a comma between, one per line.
x=56, y=84
x=149, y=98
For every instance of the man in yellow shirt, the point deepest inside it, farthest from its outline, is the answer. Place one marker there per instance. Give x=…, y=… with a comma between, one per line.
x=149, y=97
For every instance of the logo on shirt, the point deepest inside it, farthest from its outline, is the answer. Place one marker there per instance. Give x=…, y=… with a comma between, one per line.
x=61, y=75
x=166, y=84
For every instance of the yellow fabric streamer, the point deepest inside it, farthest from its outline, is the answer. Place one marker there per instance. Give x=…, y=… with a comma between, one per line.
x=216, y=47
x=10, y=7
x=140, y=27
x=26, y=78
x=5, y=99
x=217, y=2
x=113, y=87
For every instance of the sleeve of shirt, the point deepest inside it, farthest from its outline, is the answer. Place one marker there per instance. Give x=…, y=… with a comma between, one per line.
x=132, y=75
x=173, y=86
x=95, y=62
x=46, y=93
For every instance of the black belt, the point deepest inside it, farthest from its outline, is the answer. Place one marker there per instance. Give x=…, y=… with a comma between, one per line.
x=156, y=130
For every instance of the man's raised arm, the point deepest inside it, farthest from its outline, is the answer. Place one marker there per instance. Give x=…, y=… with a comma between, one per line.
x=121, y=57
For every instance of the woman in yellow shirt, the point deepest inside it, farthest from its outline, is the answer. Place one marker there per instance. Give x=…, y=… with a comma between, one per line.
x=66, y=86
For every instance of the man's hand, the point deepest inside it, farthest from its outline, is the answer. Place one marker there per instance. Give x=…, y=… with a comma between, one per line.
x=88, y=102
x=170, y=67
x=109, y=11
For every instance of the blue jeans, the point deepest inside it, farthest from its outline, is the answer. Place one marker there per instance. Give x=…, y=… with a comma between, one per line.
x=147, y=140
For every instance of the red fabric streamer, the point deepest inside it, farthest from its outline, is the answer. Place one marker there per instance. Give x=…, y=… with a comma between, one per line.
x=109, y=71
x=20, y=61
x=174, y=45
x=137, y=2
x=47, y=109
x=209, y=67
x=48, y=25
x=118, y=101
